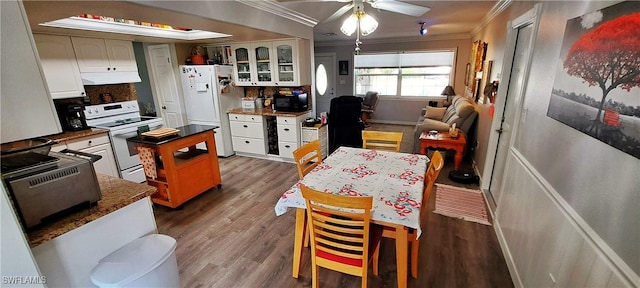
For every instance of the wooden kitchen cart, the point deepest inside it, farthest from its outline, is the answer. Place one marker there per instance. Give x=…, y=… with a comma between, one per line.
x=186, y=164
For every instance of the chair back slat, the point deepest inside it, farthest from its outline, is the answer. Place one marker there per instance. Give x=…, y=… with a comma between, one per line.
x=380, y=140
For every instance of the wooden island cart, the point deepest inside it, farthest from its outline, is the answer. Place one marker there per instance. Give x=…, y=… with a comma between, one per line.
x=181, y=163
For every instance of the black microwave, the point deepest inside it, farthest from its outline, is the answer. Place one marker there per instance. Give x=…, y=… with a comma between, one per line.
x=291, y=103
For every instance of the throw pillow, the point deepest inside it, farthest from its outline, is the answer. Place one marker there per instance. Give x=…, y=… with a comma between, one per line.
x=435, y=112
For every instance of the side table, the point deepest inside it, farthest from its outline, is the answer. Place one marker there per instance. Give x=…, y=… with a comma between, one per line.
x=444, y=141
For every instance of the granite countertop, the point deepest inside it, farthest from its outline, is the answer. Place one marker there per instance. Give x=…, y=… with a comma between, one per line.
x=265, y=112
x=116, y=193
x=70, y=135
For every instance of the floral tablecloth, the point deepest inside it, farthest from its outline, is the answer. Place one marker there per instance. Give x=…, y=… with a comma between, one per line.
x=395, y=180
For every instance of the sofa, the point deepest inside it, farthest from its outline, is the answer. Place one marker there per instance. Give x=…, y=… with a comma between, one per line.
x=461, y=112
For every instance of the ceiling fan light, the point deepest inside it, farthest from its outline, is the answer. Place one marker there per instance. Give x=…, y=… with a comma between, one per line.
x=423, y=31
x=367, y=24
x=349, y=26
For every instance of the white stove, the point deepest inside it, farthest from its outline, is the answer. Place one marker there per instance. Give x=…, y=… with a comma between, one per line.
x=122, y=119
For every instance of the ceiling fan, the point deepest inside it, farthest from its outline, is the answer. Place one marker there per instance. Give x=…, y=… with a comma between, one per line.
x=388, y=5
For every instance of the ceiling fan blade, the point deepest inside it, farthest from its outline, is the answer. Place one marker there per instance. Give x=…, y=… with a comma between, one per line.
x=400, y=7
x=339, y=13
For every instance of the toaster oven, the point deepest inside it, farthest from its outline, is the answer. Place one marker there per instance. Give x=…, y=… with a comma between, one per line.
x=43, y=193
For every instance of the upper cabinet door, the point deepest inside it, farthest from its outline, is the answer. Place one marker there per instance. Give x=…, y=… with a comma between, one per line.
x=91, y=54
x=60, y=66
x=263, y=66
x=121, y=56
x=242, y=68
x=286, y=63
x=104, y=55
x=27, y=110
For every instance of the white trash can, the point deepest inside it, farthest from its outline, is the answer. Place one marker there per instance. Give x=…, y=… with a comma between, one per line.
x=149, y=261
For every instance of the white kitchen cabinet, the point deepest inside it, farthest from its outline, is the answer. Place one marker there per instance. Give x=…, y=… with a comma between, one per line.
x=60, y=66
x=253, y=64
x=27, y=109
x=248, y=134
x=288, y=135
x=104, y=55
x=99, y=145
x=310, y=134
x=291, y=67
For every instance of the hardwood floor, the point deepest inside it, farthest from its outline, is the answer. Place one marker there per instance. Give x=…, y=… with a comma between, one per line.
x=230, y=237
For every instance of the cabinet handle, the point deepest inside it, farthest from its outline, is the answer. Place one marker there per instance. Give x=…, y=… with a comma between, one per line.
x=246, y=141
x=245, y=126
x=108, y=68
x=114, y=68
x=287, y=146
x=82, y=93
x=286, y=129
x=89, y=142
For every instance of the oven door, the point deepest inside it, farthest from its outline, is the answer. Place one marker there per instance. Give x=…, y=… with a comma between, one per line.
x=125, y=157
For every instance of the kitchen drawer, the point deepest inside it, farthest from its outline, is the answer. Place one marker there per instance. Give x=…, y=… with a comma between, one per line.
x=249, y=145
x=253, y=118
x=287, y=133
x=236, y=117
x=87, y=142
x=247, y=129
x=282, y=120
x=286, y=149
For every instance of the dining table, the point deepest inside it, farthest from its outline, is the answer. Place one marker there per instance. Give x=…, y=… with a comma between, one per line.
x=395, y=180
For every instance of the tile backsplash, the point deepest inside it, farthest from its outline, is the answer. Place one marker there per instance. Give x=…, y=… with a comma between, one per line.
x=119, y=92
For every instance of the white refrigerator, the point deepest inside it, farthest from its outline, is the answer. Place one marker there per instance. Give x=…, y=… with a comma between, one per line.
x=207, y=97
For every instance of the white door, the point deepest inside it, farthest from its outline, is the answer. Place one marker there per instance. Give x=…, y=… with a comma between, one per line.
x=166, y=90
x=325, y=81
x=515, y=88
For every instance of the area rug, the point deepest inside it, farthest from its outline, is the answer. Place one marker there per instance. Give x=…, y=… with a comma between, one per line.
x=461, y=203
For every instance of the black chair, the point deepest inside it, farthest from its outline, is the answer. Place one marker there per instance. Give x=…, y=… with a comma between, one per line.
x=369, y=104
x=345, y=125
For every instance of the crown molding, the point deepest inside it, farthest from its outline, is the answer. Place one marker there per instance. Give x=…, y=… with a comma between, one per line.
x=457, y=36
x=500, y=6
x=280, y=11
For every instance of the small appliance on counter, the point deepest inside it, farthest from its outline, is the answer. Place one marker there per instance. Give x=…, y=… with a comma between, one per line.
x=44, y=185
x=72, y=117
x=291, y=103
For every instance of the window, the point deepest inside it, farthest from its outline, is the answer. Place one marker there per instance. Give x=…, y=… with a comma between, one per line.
x=416, y=74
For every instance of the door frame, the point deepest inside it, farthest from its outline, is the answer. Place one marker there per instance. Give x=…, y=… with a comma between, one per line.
x=531, y=17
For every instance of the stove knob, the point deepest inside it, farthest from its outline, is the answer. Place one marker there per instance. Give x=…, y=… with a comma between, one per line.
x=96, y=110
x=89, y=111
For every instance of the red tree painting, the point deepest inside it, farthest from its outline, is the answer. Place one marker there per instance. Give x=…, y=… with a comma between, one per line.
x=608, y=56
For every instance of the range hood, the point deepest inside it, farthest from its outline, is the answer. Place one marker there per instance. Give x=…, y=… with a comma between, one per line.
x=101, y=78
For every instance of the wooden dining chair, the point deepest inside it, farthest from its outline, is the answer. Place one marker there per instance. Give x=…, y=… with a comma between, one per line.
x=307, y=157
x=343, y=241
x=380, y=140
x=437, y=162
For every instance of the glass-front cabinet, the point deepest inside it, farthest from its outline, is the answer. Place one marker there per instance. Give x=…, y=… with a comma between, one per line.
x=253, y=65
x=264, y=70
x=242, y=66
x=271, y=63
x=287, y=62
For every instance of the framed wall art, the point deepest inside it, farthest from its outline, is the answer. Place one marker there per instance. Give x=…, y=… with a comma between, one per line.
x=343, y=67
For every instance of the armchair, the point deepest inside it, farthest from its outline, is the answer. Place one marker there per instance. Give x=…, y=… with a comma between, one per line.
x=461, y=112
x=369, y=104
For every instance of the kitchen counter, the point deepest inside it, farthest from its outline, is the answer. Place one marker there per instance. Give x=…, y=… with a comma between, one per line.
x=70, y=135
x=265, y=112
x=116, y=193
